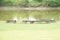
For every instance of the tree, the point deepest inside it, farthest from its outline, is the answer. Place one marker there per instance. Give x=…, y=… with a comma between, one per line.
x=38, y=0
x=1, y=3
x=8, y=3
x=35, y=3
x=23, y=3
x=53, y=3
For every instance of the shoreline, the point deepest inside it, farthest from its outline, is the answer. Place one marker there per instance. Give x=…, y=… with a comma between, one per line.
x=30, y=8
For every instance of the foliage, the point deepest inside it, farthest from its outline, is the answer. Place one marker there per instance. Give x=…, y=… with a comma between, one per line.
x=54, y=3
x=1, y=2
x=23, y=3
x=30, y=3
x=38, y=0
x=35, y=3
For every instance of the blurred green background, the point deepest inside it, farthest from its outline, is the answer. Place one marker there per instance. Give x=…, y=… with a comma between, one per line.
x=30, y=3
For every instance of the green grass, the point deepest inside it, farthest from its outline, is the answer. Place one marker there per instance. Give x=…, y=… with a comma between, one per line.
x=10, y=31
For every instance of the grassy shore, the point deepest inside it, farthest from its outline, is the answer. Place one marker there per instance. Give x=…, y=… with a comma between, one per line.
x=10, y=31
